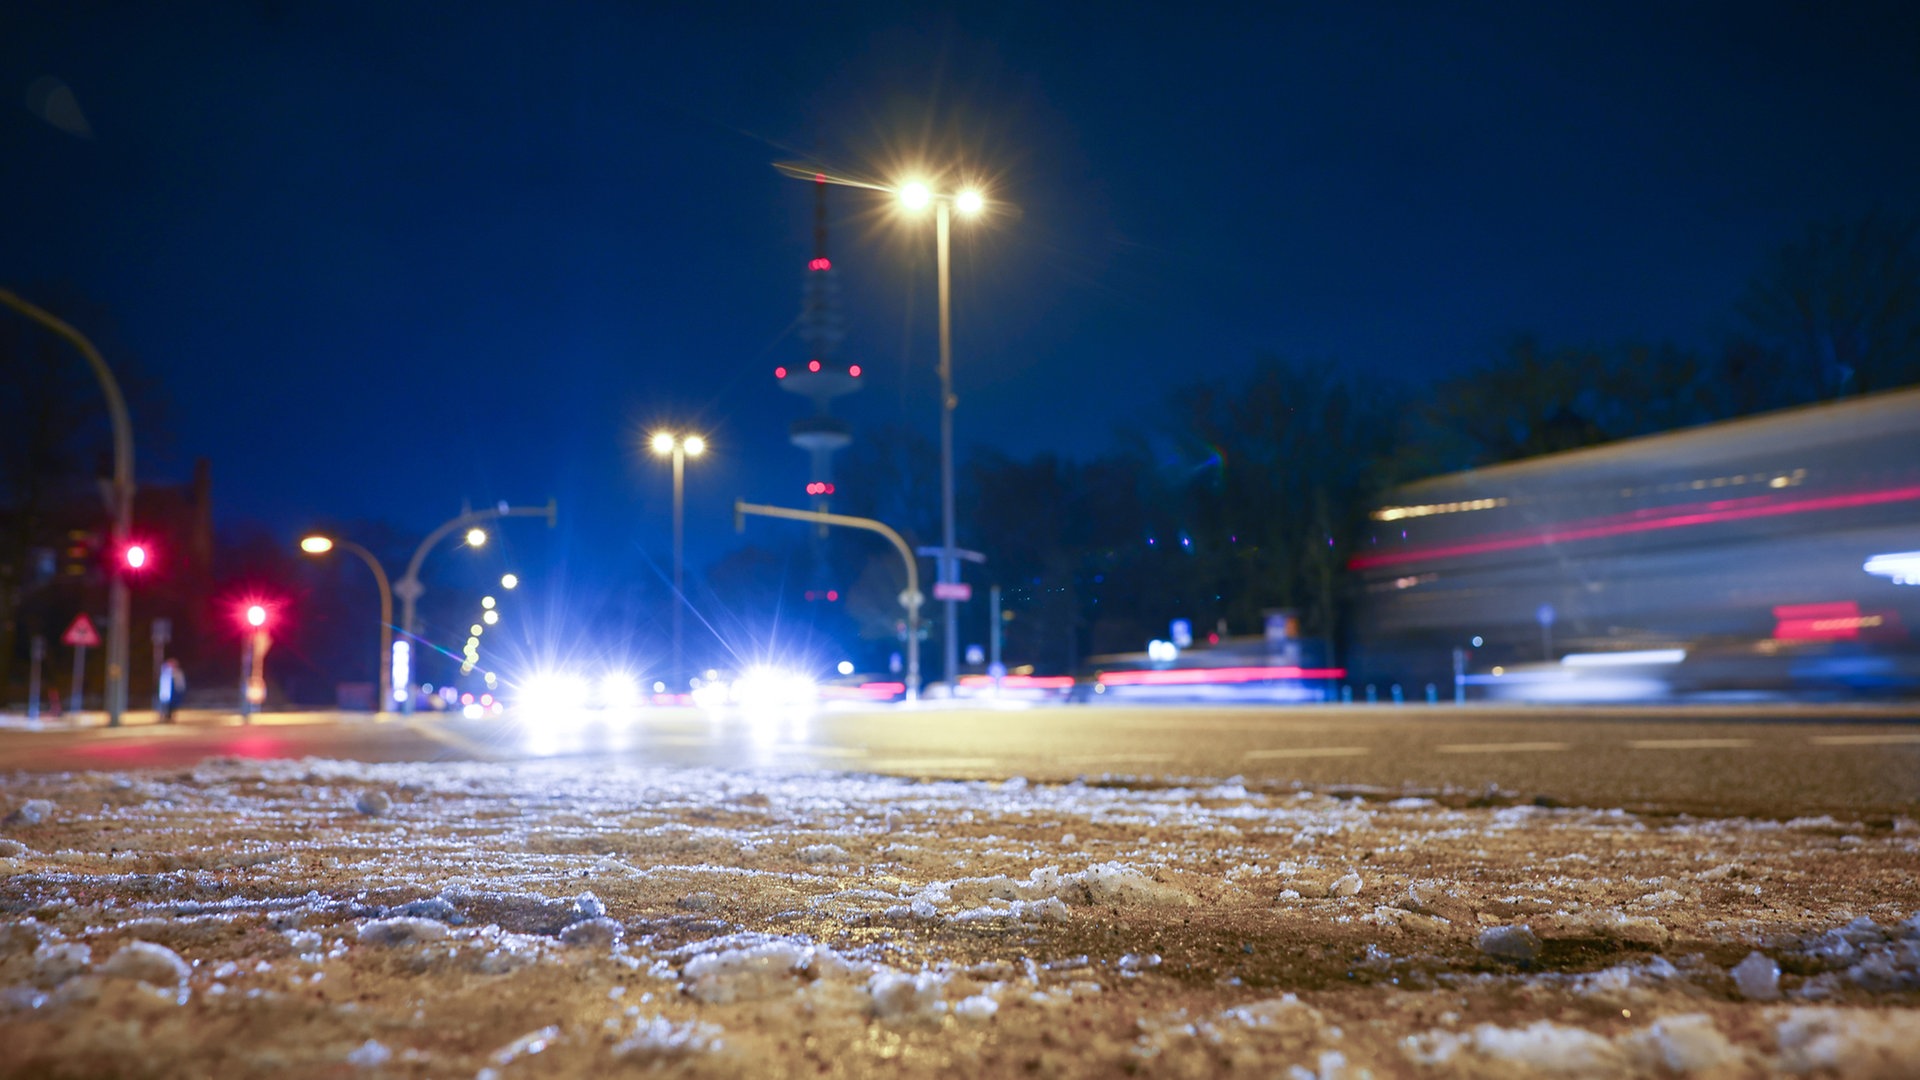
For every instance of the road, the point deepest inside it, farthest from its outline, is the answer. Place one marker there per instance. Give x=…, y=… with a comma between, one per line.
x=1774, y=761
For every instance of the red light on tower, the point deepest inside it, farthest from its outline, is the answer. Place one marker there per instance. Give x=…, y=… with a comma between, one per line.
x=779, y=373
x=854, y=371
x=813, y=365
x=819, y=264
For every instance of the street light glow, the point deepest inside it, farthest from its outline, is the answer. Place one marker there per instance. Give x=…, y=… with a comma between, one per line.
x=970, y=202
x=256, y=615
x=487, y=602
x=489, y=616
x=662, y=443
x=915, y=196
x=695, y=445
x=476, y=537
x=510, y=581
x=316, y=545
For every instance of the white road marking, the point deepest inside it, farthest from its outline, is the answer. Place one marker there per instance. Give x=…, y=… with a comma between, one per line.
x=1865, y=740
x=1503, y=747
x=1308, y=752
x=1689, y=744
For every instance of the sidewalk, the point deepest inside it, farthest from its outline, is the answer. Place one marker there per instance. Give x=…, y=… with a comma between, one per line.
x=149, y=718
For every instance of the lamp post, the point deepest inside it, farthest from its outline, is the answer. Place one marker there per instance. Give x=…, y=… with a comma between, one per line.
x=320, y=545
x=681, y=447
x=120, y=499
x=410, y=589
x=915, y=196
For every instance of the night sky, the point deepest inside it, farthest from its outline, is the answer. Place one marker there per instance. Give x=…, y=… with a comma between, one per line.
x=384, y=257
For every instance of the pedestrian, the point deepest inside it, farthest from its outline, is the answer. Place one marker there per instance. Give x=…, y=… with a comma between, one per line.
x=173, y=686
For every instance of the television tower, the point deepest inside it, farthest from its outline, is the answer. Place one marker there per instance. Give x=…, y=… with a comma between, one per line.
x=822, y=378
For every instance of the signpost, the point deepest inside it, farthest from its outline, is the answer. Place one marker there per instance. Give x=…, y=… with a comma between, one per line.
x=82, y=636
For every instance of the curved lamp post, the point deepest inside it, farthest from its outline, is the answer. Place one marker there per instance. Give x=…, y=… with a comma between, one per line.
x=320, y=545
x=409, y=588
x=119, y=603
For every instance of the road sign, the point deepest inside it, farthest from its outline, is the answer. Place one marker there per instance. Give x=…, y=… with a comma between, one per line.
x=81, y=634
x=952, y=590
x=958, y=553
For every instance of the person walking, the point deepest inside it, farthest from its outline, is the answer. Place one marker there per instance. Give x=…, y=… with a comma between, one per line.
x=173, y=686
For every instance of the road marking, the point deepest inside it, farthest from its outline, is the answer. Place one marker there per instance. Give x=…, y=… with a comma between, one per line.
x=1503, y=747
x=1689, y=744
x=1308, y=752
x=473, y=748
x=1864, y=740
x=1117, y=759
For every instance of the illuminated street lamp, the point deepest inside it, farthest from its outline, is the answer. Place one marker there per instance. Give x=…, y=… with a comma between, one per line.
x=410, y=589
x=915, y=196
x=320, y=545
x=681, y=447
x=510, y=581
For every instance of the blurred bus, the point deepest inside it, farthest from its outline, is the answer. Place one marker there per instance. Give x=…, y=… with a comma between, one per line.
x=1772, y=556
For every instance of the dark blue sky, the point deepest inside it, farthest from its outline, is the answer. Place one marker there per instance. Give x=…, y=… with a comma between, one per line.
x=386, y=256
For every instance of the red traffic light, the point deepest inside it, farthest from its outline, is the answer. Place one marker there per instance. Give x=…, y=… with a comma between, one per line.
x=256, y=615
x=135, y=556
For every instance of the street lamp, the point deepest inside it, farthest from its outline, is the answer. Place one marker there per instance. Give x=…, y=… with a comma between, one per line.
x=681, y=447
x=119, y=497
x=915, y=196
x=410, y=589
x=320, y=545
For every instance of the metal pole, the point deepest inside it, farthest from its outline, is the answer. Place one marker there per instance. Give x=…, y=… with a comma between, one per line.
x=119, y=602
x=79, y=679
x=38, y=651
x=993, y=637
x=950, y=643
x=679, y=560
x=384, y=669
x=911, y=599
x=246, y=677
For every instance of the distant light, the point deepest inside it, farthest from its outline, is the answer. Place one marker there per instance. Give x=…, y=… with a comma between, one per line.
x=970, y=202
x=618, y=690
x=136, y=556
x=486, y=699
x=471, y=711
x=1499, y=671
x=492, y=680
x=402, y=669
x=466, y=699
x=1902, y=568
x=256, y=615
x=489, y=617
x=1478, y=641
x=854, y=371
x=1623, y=659
x=1162, y=652
x=695, y=445
x=476, y=629
x=476, y=537
x=659, y=687
x=487, y=602
x=915, y=196
x=813, y=365
x=662, y=443
x=833, y=596
x=846, y=667
x=510, y=581
x=316, y=545
x=819, y=264
x=779, y=373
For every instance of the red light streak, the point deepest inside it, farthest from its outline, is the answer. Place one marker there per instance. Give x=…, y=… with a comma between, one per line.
x=1698, y=514
x=1022, y=682
x=1194, y=676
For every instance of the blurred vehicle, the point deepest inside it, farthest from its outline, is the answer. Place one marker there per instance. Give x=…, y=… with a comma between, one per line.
x=1774, y=555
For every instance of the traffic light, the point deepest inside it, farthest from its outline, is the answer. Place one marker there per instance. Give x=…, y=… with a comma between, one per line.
x=136, y=556
x=80, y=555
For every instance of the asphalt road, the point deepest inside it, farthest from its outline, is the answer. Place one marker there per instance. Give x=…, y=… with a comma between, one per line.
x=1774, y=761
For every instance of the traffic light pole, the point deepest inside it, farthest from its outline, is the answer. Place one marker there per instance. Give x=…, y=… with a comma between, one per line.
x=119, y=601
x=911, y=599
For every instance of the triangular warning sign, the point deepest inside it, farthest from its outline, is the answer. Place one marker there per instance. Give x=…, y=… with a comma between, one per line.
x=81, y=633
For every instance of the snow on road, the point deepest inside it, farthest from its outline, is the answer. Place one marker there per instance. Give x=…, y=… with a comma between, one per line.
x=327, y=918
